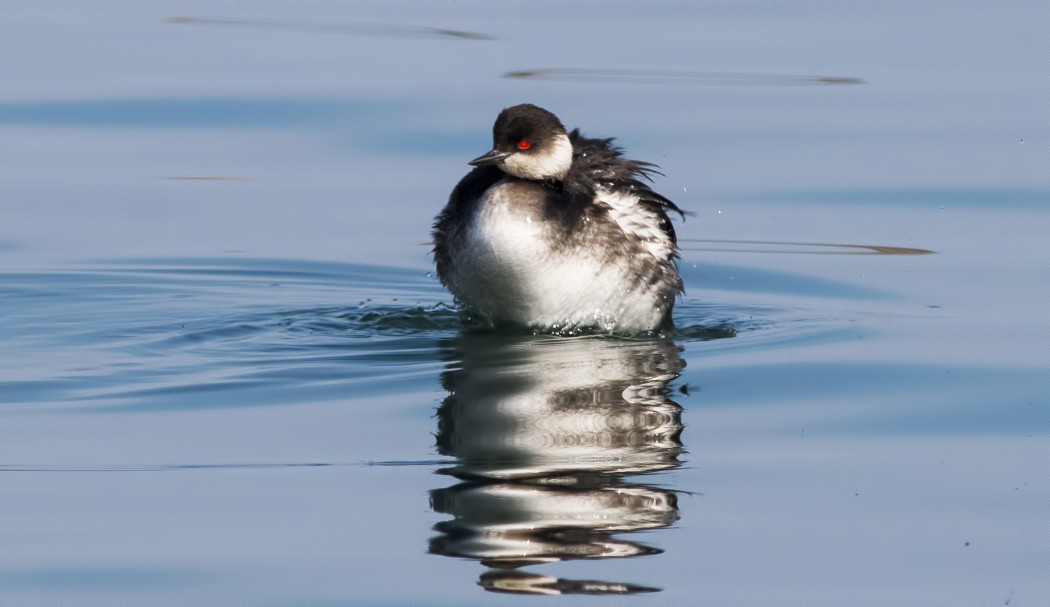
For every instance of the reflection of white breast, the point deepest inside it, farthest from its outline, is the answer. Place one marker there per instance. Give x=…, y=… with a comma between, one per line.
x=577, y=404
x=514, y=266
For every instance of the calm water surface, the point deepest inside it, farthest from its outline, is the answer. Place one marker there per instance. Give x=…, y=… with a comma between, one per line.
x=228, y=374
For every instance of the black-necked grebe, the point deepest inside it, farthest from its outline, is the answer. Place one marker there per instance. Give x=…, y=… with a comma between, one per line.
x=556, y=231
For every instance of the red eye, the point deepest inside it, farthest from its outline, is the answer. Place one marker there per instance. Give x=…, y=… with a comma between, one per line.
x=524, y=144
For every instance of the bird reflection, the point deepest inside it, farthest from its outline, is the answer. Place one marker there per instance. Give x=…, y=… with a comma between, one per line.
x=545, y=432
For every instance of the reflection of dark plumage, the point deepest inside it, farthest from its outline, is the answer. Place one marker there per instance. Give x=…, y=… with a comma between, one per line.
x=558, y=231
x=518, y=582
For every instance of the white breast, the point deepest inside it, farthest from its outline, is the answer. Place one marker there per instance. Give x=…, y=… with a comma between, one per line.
x=512, y=267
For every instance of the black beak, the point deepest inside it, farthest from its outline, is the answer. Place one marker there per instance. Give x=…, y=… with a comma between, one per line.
x=492, y=157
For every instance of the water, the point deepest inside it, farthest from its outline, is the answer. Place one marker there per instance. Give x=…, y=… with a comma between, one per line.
x=229, y=374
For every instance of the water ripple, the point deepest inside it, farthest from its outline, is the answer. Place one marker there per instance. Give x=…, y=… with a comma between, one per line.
x=151, y=334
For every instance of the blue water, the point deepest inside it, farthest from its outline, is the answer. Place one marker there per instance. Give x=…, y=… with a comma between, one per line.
x=229, y=374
